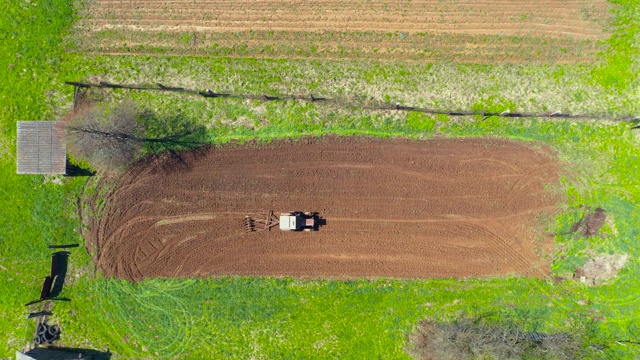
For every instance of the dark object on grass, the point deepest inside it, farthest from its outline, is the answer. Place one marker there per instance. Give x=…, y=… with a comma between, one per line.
x=38, y=314
x=65, y=246
x=59, y=261
x=590, y=223
x=211, y=94
x=63, y=353
x=52, y=285
x=47, y=336
x=45, y=333
x=54, y=330
x=169, y=88
x=46, y=287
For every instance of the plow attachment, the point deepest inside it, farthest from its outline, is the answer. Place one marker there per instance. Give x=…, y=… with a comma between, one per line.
x=261, y=221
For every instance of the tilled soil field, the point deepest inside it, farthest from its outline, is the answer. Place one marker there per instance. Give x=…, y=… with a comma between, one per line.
x=479, y=31
x=393, y=208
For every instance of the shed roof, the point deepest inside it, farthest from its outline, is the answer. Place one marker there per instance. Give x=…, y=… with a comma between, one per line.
x=41, y=148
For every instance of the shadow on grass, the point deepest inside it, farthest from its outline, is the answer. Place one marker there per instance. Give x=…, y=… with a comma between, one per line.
x=60, y=261
x=75, y=170
x=169, y=137
x=67, y=353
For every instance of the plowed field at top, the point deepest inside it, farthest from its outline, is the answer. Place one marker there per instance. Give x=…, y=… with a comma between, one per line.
x=481, y=31
x=436, y=208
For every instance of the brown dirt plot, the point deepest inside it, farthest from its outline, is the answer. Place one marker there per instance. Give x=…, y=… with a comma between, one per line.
x=396, y=208
x=495, y=31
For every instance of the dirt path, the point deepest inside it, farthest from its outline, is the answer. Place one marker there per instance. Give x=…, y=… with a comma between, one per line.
x=437, y=208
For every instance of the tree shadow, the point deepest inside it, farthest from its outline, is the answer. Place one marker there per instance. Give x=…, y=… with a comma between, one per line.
x=169, y=137
x=177, y=132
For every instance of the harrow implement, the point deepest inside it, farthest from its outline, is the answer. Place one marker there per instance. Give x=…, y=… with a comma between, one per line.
x=261, y=221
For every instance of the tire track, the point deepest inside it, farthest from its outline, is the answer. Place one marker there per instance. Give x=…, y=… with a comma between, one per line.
x=392, y=208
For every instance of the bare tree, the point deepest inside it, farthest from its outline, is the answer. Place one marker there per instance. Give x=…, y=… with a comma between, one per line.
x=107, y=138
x=111, y=138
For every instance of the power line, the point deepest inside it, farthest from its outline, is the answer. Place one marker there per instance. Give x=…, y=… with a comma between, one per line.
x=376, y=105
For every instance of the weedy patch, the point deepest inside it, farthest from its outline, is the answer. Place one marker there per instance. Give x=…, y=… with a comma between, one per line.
x=601, y=268
x=482, y=338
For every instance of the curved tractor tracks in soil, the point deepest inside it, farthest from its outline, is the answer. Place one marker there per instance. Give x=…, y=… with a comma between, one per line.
x=393, y=208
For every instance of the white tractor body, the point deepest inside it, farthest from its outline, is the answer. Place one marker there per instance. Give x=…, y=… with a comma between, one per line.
x=288, y=222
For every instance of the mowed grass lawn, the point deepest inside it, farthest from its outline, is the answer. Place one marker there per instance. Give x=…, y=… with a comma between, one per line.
x=288, y=318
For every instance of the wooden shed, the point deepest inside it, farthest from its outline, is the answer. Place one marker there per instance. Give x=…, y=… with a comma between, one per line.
x=41, y=148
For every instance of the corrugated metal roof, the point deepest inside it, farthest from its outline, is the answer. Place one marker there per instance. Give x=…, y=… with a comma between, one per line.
x=41, y=148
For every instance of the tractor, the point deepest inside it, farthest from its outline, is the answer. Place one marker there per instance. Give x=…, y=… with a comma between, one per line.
x=289, y=221
x=299, y=221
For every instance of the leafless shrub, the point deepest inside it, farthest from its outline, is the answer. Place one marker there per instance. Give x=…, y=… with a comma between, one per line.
x=476, y=338
x=107, y=138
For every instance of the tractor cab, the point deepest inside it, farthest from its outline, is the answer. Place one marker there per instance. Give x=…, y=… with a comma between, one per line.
x=299, y=221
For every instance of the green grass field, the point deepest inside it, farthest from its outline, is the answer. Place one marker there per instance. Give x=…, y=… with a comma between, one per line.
x=288, y=318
